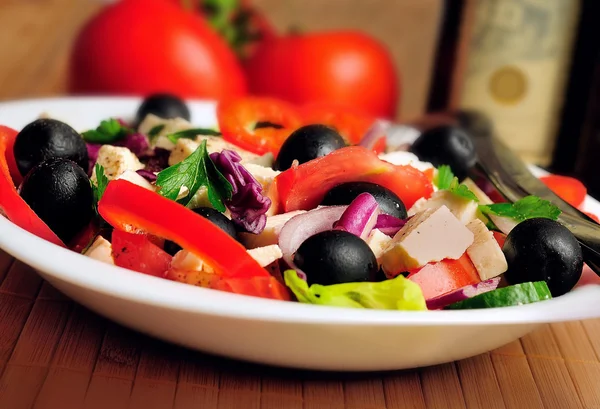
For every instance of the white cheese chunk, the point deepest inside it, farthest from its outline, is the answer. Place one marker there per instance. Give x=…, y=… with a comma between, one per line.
x=136, y=179
x=182, y=149
x=429, y=236
x=169, y=126
x=100, y=250
x=378, y=242
x=188, y=261
x=266, y=255
x=485, y=252
x=463, y=209
x=405, y=158
x=116, y=160
x=270, y=235
x=480, y=194
x=505, y=224
x=262, y=174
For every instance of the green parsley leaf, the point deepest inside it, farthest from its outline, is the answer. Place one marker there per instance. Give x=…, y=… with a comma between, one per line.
x=444, y=177
x=446, y=180
x=195, y=171
x=462, y=190
x=108, y=131
x=153, y=133
x=527, y=208
x=191, y=134
x=100, y=186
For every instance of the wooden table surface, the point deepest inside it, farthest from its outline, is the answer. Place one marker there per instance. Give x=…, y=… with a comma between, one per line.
x=56, y=354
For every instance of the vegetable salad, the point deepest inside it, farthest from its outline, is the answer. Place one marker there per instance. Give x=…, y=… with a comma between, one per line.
x=273, y=205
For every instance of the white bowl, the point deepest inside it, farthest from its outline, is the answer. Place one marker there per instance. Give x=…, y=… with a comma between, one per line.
x=259, y=330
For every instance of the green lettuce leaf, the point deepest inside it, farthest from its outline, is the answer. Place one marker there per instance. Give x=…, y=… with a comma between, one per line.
x=396, y=294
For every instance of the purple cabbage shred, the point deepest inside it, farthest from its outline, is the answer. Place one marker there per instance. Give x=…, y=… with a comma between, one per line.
x=146, y=174
x=248, y=206
x=136, y=142
x=157, y=161
x=92, y=149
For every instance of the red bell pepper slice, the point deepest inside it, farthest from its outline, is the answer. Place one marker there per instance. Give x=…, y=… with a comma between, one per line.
x=264, y=287
x=239, y=117
x=303, y=187
x=567, y=188
x=15, y=174
x=125, y=205
x=11, y=203
x=137, y=252
x=445, y=276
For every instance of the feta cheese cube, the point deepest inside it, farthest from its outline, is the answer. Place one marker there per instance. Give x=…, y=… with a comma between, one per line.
x=169, y=126
x=262, y=174
x=101, y=250
x=266, y=255
x=378, y=242
x=116, y=160
x=270, y=235
x=182, y=149
x=188, y=261
x=505, y=224
x=405, y=158
x=217, y=144
x=432, y=235
x=464, y=209
x=485, y=252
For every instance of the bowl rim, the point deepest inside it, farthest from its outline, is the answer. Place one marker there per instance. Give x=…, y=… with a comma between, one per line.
x=112, y=281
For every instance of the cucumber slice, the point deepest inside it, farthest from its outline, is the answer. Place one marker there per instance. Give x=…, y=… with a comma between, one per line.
x=519, y=294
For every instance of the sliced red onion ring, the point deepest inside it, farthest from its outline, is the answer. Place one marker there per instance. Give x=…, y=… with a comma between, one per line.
x=146, y=174
x=360, y=217
x=389, y=225
x=464, y=293
x=303, y=226
x=374, y=133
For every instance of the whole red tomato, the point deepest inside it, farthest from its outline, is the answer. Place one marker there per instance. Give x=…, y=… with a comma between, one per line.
x=147, y=46
x=348, y=68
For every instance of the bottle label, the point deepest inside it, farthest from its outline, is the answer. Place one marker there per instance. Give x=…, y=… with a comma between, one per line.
x=518, y=55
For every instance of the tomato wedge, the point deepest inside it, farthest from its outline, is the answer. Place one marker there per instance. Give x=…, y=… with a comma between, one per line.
x=445, y=276
x=257, y=124
x=11, y=204
x=352, y=124
x=567, y=188
x=136, y=252
x=264, y=287
x=303, y=187
x=125, y=204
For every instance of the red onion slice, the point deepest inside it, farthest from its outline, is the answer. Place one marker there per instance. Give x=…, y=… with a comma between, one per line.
x=374, y=133
x=464, y=293
x=360, y=217
x=303, y=226
x=389, y=225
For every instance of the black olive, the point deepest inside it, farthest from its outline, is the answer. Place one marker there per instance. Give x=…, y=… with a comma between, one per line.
x=216, y=217
x=446, y=145
x=308, y=143
x=333, y=257
x=543, y=250
x=60, y=193
x=388, y=201
x=166, y=106
x=45, y=139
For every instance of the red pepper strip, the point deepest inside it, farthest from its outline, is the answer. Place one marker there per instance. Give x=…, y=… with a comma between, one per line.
x=124, y=205
x=15, y=208
x=264, y=287
x=10, y=156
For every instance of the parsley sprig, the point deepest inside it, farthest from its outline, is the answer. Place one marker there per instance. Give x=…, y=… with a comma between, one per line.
x=191, y=134
x=195, y=171
x=100, y=186
x=527, y=208
x=108, y=131
x=446, y=180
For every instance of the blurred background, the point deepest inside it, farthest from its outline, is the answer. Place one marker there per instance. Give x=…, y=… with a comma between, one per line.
x=531, y=66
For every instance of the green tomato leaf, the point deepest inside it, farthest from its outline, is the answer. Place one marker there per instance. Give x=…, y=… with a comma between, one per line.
x=527, y=208
x=195, y=171
x=396, y=294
